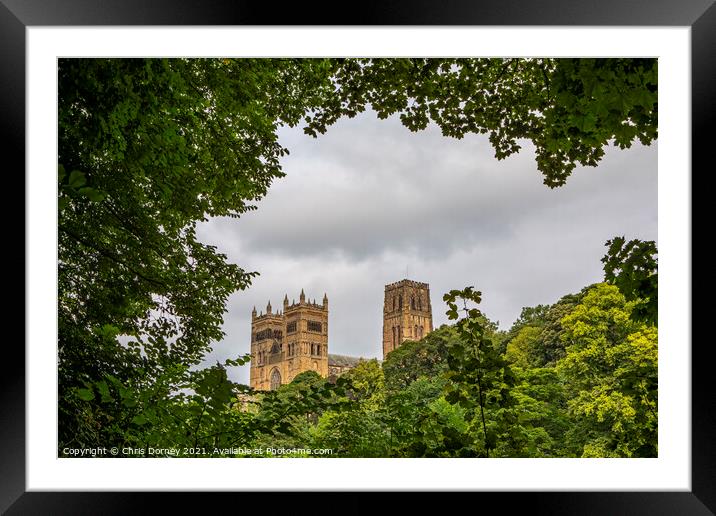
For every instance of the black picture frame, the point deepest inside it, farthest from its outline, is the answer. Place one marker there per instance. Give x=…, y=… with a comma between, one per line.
x=17, y=15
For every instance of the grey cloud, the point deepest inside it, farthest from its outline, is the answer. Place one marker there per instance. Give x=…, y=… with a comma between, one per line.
x=357, y=197
x=369, y=198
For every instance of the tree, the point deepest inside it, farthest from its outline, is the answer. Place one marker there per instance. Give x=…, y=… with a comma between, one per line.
x=415, y=359
x=434, y=426
x=551, y=346
x=408, y=417
x=530, y=316
x=352, y=433
x=193, y=412
x=367, y=384
x=523, y=347
x=610, y=371
x=148, y=147
x=542, y=407
x=480, y=379
x=358, y=429
x=632, y=267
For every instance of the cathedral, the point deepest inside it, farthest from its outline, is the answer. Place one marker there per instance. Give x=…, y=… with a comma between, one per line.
x=294, y=340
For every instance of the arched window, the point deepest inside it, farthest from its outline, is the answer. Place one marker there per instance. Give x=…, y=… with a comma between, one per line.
x=393, y=302
x=420, y=303
x=416, y=332
x=412, y=302
x=420, y=329
x=275, y=379
x=400, y=302
x=315, y=365
x=393, y=336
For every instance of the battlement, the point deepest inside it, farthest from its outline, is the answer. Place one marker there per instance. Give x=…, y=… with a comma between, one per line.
x=304, y=304
x=406, y=283
x=277, y=317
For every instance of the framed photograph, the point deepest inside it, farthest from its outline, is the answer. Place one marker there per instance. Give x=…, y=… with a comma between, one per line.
x=367, y=253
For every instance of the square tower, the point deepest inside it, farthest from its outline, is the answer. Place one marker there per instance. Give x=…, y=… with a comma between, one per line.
x=288, y=343
x=407, y=313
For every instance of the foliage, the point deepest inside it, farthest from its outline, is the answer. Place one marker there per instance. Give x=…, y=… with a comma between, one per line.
x=523, y=347
x=306, y=397
x=534, y=316
x=632, y=267
x=405, y=410
x=413, y=360
x=542, y=408
x=534, y=340
x=569, y=108
x=148, y=147
x=367, y=384
x=531, y=316
x=551, y=342
x=359, y=430
x=181, y=409
x=610, y=373
x=352, y=433
x=480, y=379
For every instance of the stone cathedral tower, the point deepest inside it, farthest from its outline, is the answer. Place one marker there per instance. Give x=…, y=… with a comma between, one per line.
x=287, y=343
x=407, y=314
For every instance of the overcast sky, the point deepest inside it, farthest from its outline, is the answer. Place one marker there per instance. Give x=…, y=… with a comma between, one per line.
x=369, y=199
